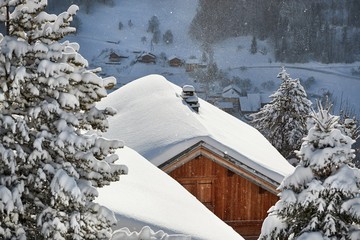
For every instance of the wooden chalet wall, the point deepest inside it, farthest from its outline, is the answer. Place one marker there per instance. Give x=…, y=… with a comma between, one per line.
x=236, y=200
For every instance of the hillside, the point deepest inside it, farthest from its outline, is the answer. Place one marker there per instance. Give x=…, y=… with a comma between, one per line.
x=300, y=30
x=99, y=35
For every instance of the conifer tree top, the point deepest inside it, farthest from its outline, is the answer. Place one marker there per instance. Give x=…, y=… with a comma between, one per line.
x=283, y=120
x=319, y=200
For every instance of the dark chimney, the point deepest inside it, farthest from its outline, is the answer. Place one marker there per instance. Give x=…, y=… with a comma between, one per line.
x=189, y=95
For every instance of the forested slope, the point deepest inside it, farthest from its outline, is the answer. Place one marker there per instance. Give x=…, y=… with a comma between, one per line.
x=300, y=31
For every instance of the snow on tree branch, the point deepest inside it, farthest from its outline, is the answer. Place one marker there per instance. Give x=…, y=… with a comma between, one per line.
x=50, y=164
x=146, y=233
x=320, y=200
x=283, y=120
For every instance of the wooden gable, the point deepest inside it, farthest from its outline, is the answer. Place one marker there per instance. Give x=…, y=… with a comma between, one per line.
x=237, y=196
x=114, y=57
x=147, y=58
x=175, y=62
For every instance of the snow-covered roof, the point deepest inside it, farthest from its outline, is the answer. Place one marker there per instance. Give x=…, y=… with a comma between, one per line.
x=231, y=91
x=147, y=54
x=174, y=57
x=148, y=196
x=250, y=103
x=154, y=120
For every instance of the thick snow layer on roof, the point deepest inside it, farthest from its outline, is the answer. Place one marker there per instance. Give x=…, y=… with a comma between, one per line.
x=155, y=121
x=148, y=196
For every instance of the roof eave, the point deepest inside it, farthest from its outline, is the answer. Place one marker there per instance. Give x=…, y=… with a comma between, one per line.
x=223, y=159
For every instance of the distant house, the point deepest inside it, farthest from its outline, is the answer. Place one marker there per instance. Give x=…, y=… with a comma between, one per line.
x=225, y=163
x=147, y=58
x=244, y=102
x=115, y=58
x=193, y=63
x=230, y=96
x=231, y=91
x=175, y=62
x=250, y=103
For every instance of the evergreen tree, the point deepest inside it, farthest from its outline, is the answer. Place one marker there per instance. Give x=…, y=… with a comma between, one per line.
x=153, y=24
x=49, y=167
x=121, y=25
x=253, y=48
x=349, y=127
x=320, y=200
x=156, y=37
x=168, y=37
x=130, y=24
x=283, y=120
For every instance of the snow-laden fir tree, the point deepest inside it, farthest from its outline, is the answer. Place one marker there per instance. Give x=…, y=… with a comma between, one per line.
x=320, y=200
x=349, y=127
x=283, y=120
x=49, y=167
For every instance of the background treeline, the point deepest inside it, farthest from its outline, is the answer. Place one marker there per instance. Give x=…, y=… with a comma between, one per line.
x=300, y=30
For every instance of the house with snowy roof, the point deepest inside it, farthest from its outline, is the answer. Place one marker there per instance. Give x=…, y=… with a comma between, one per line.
x=146, y=57
x=250, y=103
x=229, y=101
x=175, y=61
x=193, y=63
x=225, y=163
x=115, y=57
x=149, y=197
x=231, y=91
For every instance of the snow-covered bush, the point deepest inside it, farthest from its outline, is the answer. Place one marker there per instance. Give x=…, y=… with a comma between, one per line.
x=146, y=233
x=49, y=169
x=320, y=200
x=283, y=120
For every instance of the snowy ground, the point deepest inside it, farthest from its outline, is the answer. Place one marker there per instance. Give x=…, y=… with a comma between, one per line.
x=98, y=35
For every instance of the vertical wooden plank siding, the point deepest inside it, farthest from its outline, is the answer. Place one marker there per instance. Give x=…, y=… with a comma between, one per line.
x=234, y=199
